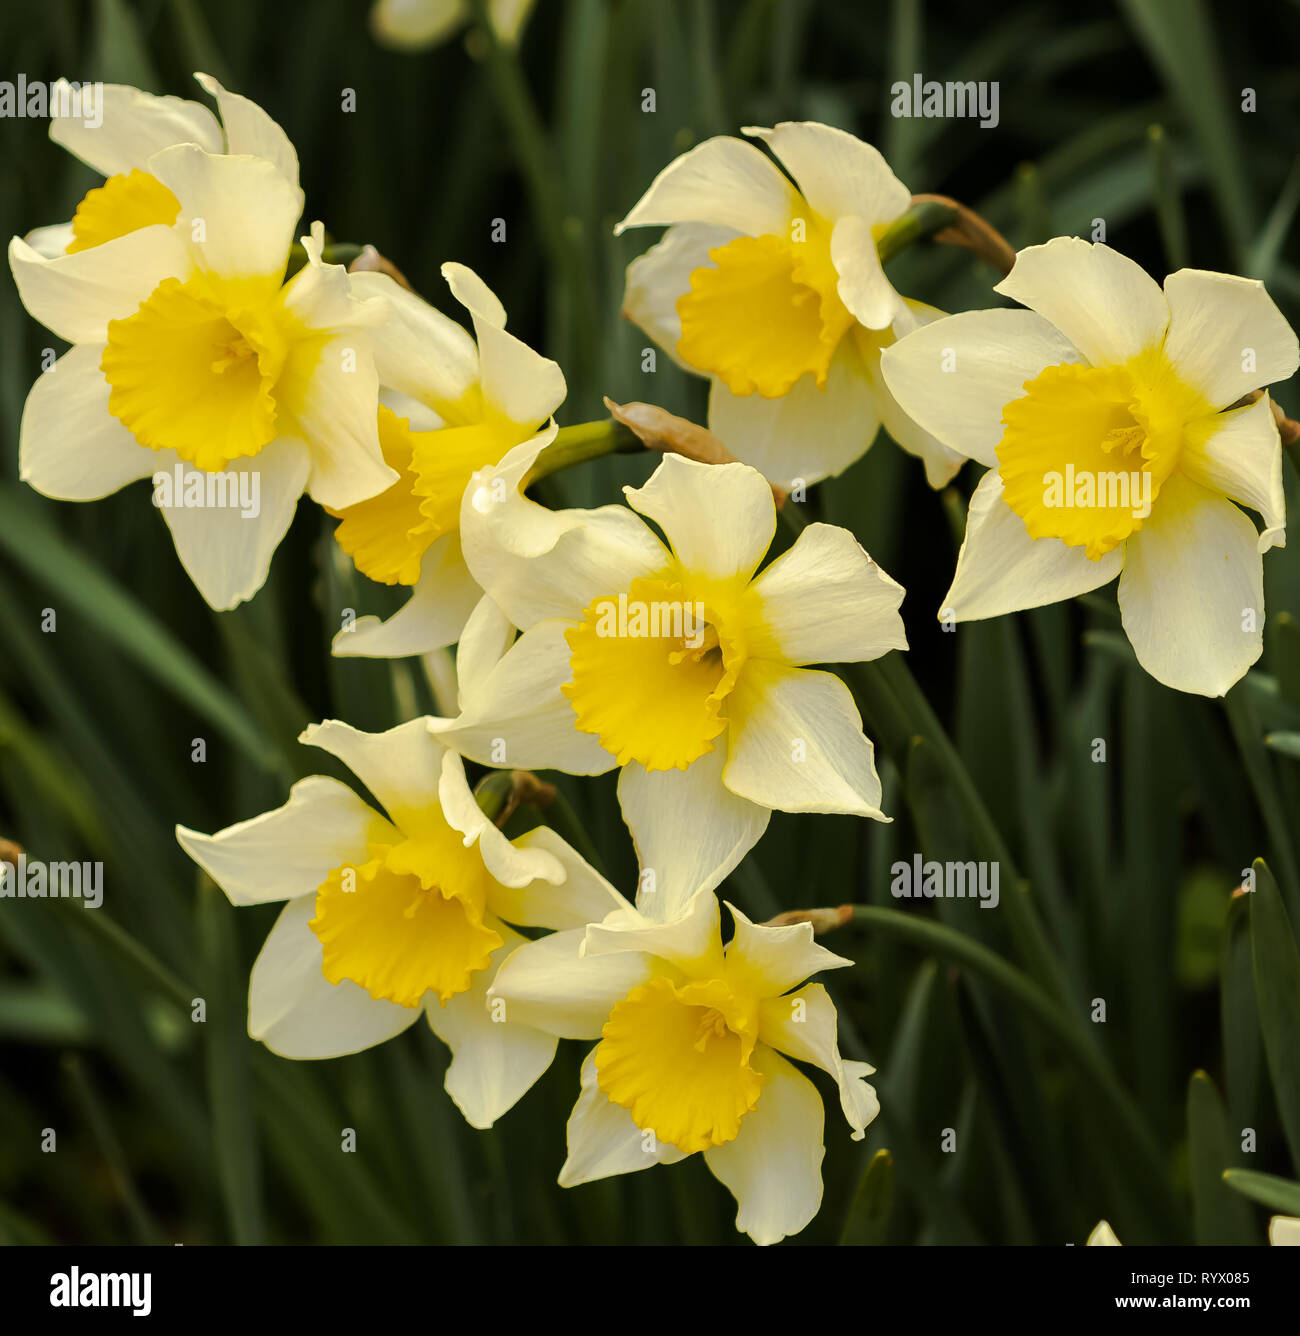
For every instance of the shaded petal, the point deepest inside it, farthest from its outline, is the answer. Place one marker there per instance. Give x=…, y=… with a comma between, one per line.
x=863, y=287
x=550, y=985
x=603, y=1140
x=1191, y=586
x=135, y=126
x=1226, y=335
x=804, y=1025
x=806, y=435
x=825, y=601
x=77, y=295
x=689, y=829
x=583, y=897
x=69, y=445
x=538, y=563
x=295, y=1010
x=494, y=1062
x=288, y=852
x=723, y=181
x=226, y=553
x=774, y=1167
x=836, y=172
x=401, y=767
x=517, y=716
x=434, y=616
x=690, y=940
x=1239, y=454
x=796, y=743
x=658, y=278
x=250, y=130
x=767, y=961
x=719, y=518
x=955, y=376
x=1000, y=569
x=1107, y=305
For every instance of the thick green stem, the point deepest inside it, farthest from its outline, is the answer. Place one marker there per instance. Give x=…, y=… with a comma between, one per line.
x=583, y=442
x=1143, y=1155
x=920, y=221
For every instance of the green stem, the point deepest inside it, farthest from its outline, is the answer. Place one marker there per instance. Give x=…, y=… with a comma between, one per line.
x=920, y=221
x=939, y=940
x=582, y=442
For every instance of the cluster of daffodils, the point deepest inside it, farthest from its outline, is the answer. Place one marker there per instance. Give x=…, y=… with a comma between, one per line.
x=660, y=638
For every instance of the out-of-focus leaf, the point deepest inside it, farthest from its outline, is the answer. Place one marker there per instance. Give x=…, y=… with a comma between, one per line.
x=1220, y=1216
x=1277, y=987
x=868, y=1216
x=1278, y=1194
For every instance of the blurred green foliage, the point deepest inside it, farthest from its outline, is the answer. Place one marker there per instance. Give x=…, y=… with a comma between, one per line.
x=1129, y=113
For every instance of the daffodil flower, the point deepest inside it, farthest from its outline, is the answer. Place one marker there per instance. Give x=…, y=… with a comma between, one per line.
x=395, y=915
x=459, y=406
x=1105, y=415
x=676, y=663
x=193, y=360
x=774, y=290
x=416, y=25
x=1102, y=1236
x=695, y=1041
x=134, y=126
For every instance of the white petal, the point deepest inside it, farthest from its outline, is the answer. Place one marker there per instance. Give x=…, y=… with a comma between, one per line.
x=1103, y=1236
x=414, y=25
x=825, y=601
x=796, y=743
x=1284, y=1231
x=51, y=240
x=807, y=434
x=538, y=563
x=1239, y=454
x=1109, y=307
x=863, y=287
x=774, y=1167
x=1000, y=569
x=512, y=867
x=434, y=616
x=550, y=985
x=250, y=130
x=940, y=462
x=69, y=445
x=690, y=940
x=804, y=1025
x=1192, y=583
x=226, y=552
x=723, y=181
x=295, y=1010
x=658, y=278
x=603, y=1140
x=288, y=852
x=719, y=518
x=135, y=126
x=837, y=173
x=955, y=376
x=418, y=350
x=689, y=829
x=518, y=383
x=401, y=767
x=1226, y=335
x=517, y=716
x=242, y=208
x=77, y=295
x=494, y=1063
x=583, y=897
x=768, y=961
x=487, y=635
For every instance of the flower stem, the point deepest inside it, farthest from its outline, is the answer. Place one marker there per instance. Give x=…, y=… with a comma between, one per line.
x=582, y=442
